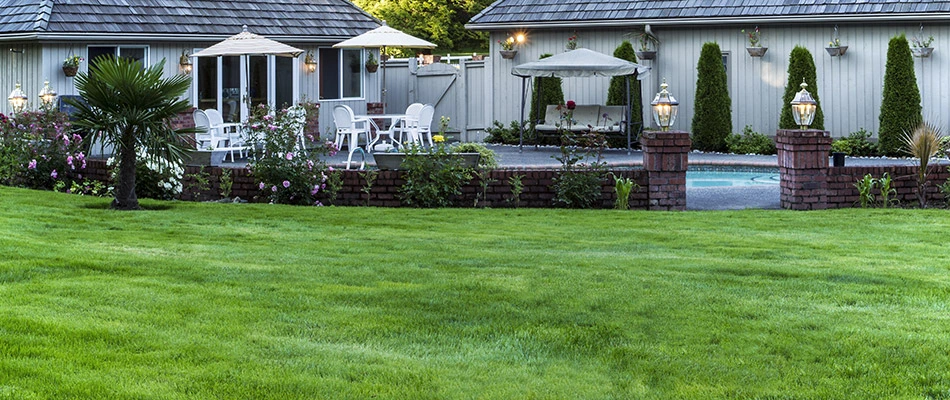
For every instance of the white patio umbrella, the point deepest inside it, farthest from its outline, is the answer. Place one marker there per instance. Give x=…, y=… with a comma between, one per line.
x=381, y=38
x=248, y=44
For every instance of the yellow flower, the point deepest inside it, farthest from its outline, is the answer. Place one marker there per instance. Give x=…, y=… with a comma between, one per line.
x=438, y=138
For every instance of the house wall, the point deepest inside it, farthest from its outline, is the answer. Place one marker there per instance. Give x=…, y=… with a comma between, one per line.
x=850, y=87
x=41, y=61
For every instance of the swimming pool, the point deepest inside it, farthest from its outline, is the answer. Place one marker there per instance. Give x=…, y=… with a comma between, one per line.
x=703, y=179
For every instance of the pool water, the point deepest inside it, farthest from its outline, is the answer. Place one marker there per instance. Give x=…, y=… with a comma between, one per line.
x=701, y=179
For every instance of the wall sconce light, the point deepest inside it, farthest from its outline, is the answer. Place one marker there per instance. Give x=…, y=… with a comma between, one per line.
x=17, y=99
x=803, y=107
x=310, y=63
x=520, y=38
x=665, y=107
x=184, y=63
x=47, y=95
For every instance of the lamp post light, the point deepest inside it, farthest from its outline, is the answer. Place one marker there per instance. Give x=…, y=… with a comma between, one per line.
x=803, y=107
x=184, y=63
x=47, y=95
x=665, y=107
x=17, y=99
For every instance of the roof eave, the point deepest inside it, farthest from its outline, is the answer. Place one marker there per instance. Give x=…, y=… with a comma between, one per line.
x=836, y=18
x=85, y=37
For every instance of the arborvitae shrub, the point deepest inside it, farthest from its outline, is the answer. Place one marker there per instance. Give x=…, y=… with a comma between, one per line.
x=712, y=111
x=618, y=85
x=801, y=64
x=900, y=107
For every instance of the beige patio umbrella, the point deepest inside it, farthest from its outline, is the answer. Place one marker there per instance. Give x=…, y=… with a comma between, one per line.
x=381, y=38
x=248, y=44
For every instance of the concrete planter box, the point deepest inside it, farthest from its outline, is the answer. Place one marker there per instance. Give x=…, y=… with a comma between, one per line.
x=205, y=157
x=394, y=160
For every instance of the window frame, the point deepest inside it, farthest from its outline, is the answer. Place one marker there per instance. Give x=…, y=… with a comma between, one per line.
x=340, y=68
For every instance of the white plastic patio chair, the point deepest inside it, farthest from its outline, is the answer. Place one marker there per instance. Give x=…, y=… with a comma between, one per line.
x=233, y=132
x=411, y=118
x=422, y=127
x=212, y=137
x=349, y=128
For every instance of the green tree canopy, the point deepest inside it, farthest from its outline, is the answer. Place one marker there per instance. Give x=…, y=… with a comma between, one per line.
x=801, y=64
x=712, y=111
x=900, y=107
x=438, y=21
x=131, y=106
x=618, y=86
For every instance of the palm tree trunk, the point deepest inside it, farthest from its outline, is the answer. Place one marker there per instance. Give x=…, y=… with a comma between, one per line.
x=125, y=188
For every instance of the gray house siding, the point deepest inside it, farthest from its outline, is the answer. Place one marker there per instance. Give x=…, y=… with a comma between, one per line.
x=850, y=87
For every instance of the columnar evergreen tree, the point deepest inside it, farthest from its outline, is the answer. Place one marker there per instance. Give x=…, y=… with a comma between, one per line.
x=712, y=111
x=801, y=64
x=618, y=86
x=551, y=93
x=900, y=107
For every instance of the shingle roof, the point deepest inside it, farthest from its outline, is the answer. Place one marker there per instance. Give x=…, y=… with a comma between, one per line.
x=606, y=11
x=301, y=18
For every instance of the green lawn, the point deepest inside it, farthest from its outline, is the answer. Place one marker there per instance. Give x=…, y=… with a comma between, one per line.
x=190, y=300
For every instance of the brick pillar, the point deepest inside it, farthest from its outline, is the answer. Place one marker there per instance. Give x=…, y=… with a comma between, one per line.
x=665, y=158
x=803, y=168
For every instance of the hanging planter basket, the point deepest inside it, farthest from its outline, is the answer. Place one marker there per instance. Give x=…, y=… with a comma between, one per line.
x=70, y=71
x=757, y=51
x=922, y=52
x=836, y=51
x=646, y=55
x=371, y=68
x=508, y=54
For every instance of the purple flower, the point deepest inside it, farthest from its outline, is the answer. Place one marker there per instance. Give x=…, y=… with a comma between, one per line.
x=272, y=127
x=315, y=190
x=273, y=188
x=32, y=164
x=286, y=184
x=290, y=156
x=262, y=186
x=69, y=161
x=53, y=174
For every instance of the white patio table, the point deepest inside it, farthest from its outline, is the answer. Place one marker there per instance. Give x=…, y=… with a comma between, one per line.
x=393, y=121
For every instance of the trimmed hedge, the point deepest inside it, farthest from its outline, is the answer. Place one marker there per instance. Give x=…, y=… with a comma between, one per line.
x=551, y=93
x=900, y=107
x=801, y=64
x=618, y=86
x=712, y=112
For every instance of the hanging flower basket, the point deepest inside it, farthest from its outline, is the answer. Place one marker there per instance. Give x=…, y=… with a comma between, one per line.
x=757, y=51
x=922, y=52
x=508, y=54
x=70, y=71
x=646, y=54
x=836, y=51
x=371, y=68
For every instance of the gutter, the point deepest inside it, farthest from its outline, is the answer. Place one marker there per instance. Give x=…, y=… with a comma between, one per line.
x=804, y=19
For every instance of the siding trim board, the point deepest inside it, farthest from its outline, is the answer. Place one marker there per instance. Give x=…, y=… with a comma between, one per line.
x=686, y=22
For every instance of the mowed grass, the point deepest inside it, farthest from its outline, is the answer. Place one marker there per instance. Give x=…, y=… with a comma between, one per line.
x=189, y=300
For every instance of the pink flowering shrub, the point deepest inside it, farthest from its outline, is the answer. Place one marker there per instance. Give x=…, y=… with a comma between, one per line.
x=286, y=172
x=39, y=150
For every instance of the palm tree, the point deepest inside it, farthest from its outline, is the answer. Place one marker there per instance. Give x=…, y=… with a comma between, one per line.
x=131, y=108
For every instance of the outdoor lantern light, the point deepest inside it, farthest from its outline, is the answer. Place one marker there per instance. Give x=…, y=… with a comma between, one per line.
x=664, y=108
x=310, y=63
x=803, y=107
x=47, y=95
x=520, y=38
x=184, y=63
x=17, y=99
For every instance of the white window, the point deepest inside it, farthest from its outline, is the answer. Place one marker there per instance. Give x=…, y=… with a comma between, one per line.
x=137, y=53
x=341, y=73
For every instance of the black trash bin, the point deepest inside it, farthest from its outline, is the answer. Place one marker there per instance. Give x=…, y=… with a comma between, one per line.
x=837, y=159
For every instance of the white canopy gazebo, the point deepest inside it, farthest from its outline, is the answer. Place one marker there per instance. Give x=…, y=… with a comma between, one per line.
x=581, y=63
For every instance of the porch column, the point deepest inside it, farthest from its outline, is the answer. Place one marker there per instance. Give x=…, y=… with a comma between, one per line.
x=665, y=158
x=803, y=168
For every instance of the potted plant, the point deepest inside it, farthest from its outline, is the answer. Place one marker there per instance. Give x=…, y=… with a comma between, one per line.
x=835, y=48
x=648, y=45
x=755, y=48
x=371, y=64
x=571, y=42
x=920, y=47
x=71, y=65
x=508, y=51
